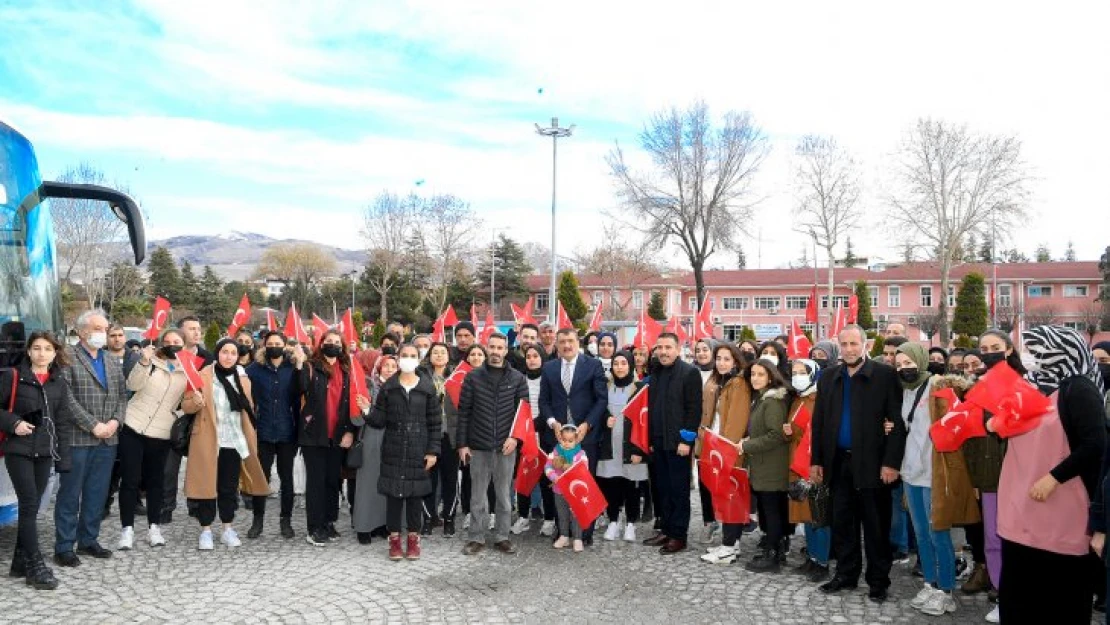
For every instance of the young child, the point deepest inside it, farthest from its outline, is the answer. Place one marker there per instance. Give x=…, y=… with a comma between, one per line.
x=561, y=458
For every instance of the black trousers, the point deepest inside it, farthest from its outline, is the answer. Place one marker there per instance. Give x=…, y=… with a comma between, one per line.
x=284, y=453
x=321, y=467
x=671, y=473
x=446, y=470
x=621, y=492
x=731, y=533
x=413, y=508
x=852, y=508
x=774, y=516
x=226, y=502
x=706, y=503
x=29, y=478
x=142, y=461
x=1034, y=580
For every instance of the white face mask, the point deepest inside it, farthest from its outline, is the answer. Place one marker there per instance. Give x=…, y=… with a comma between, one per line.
x=592, y=348
x=97, y=340
x=800, y=382
x=772, y=358
x=423, y=353
x=407, y=365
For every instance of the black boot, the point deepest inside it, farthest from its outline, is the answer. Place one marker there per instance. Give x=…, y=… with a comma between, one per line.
x=287, y=528
x=256, y=527
x=38, y=574
x=784, y=549
x=19, y=564
x=766, y=561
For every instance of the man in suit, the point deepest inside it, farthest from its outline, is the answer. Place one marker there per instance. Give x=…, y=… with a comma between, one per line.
x=98, y=403
x=851, y=452
x=572, y=390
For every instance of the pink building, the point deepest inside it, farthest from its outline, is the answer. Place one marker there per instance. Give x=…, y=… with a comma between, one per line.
x=766, y=299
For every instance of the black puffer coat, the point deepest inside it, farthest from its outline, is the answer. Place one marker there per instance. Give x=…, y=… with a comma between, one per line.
x=51, y=438
x=312, y=423
x=487, y=407
x=413, y=423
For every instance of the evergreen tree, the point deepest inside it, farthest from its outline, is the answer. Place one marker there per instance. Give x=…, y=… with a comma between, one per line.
x=377, y=333
x=970, y=318
x=877, y=346
x=210, y=301
x=1013, y=256
x=1042, y=255
x=741, y=258
x=850, y=258
x=358, y=319
x=234, y=290
x=1069, y=254
x=970, y=248
x=907, y=252
x=985, y=251
x=747, y=334
x=863, y=294
x=212, y=336
x=165, y=280
x=189, y=285
x=657, y=308
x=511, y=277
x=571, y=297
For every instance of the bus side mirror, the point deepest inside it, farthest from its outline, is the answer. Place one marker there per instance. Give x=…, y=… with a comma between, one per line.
x=122, y=205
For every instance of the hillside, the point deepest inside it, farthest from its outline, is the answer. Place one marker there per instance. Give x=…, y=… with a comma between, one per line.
x=233, y=256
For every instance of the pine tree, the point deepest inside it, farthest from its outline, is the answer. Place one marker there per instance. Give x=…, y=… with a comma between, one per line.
x=165, y=280
x=970, y=318
x=985, y=252
x=210, y=301
x=571, y=297
x=511, y=277
x=747, y=333
x=189, y=285
x=1042, y=255
x=377, y=333
x=741, y=258
x=864, y=317
x=657, y=308
x=212, y=336
x=971, y=248
x=1069, y=254
x=850, y=258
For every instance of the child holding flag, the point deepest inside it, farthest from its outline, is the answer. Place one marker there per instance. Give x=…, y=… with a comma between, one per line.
x=565, y=455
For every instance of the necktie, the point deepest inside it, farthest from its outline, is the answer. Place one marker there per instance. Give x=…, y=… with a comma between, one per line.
x=568, y=376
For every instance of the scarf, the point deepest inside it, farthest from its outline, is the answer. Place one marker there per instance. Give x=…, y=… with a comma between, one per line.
x=813, y=369
x=1060, y=353
x=568, y=454
x=628, y=379
x=233, y=388
x=917, y=353
x=533, y=374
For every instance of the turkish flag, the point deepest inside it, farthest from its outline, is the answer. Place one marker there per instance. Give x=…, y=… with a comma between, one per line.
x=734, y=504
x=523, y=314
x=595, y=321
x=564, y=320
x=530, y=471
x=319, y=329
x=357, y=385
x=637, y=413
x=1016, y=405
x=802, y=418
x=242, y=316
x=439, y=334
x=853, y=308
x=159, y=318
x=191, y=363
x=703, y=322
x=294, y=328
x=838, y=323
x=963, y=420
x=811, y=307
x=582, y=493
x=718, y=455
x=449, y=318
x=453, y=384
x=474, y=317
x=524, y=428
x=798, y=346
x=674, y=326
x=489, y=328
x=803, y=457
x=271, y=321
x=647, y=332
x=347, y=328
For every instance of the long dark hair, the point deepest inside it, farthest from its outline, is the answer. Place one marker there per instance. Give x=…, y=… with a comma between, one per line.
x=318, y=359
x=737, y=357
x=1014, y=359
x=60, y=357
x=774, y=377
x=427, y=362
x=780, y=351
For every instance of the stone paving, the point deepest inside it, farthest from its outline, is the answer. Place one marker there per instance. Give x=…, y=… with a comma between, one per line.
x=274, y=580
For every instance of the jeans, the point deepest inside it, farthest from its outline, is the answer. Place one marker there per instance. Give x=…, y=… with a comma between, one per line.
x=899, y=521
x=81, y=497
x=228, y=465
x=322, y=466
x=413, y=509
x=284, y=453
x=818, y=543
x=29, y=477
x=934, y=548
x=671, y=475
x=142, y=461
x=487, y=467
x=568, y=525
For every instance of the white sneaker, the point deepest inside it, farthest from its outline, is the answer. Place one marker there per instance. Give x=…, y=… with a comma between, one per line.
x=561, y=543
x=708, y=532
x=613, y=532
x=466, y=521
x=230, y=538
x=939, y=604
x=922, y=596
x=548, y=528
x=126, y=539
x=492, y=521
x=630, y=532
x=522, y=524
x=154, y=537
x=205, y=541
x=722, y=555
x=993, y=616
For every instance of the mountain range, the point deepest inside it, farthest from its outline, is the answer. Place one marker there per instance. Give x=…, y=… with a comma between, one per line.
x=234, y=255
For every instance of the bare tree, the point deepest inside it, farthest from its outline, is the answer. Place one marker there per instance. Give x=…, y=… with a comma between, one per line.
x=387, y=223
x=949, y=182
x=1006, y=318
x=623, y=267
x=698, y=192
x=826, y=180
x=1090, y=318
x=929, y=321
x=1045, y=315
x=301, y=264
x=449, y=228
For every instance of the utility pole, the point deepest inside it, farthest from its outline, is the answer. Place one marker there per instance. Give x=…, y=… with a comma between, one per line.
x=555, y=132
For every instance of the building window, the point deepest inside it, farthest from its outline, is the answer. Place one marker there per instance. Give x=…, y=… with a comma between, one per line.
x=894, y=297
x=797, y=302
x=926, y=297
x=1005, y=295
x=615, y=299
x=598, y=296
x=873, y=293
x=951, y=296
x=1075, y=290
x=541, y=301
x=838, y=300
x=638, y=300
x=1040, y=291
x=809, y=327
x=732, y=332
x=712, y=303
x=1075, y=325
x=734, y=303
x=767, y=303
x=678, y=302
x=694, y=304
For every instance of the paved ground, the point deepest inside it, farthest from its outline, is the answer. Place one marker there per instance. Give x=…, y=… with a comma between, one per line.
x=279, y=581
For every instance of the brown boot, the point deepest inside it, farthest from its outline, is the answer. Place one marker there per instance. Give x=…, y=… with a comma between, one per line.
x=978, y=582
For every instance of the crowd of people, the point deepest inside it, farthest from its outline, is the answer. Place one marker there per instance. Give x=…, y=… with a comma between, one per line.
x=390, y=432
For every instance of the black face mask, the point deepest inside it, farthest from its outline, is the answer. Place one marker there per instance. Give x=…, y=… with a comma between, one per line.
x=822, y=362
x=936, y=368
x=331, y=350
x=990, y=359
x=909, y=374
x=388, y=350
x=1104, y=367
x=170, y=351
x=749, y=356
x=275, y=351
x=245, y=349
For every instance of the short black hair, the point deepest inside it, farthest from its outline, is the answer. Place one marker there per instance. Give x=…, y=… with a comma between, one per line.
x=392, y=336
x=497, y=335
x=186, y=319
x=667, y=335
x=266, y=336
x=896, y=341
x=530, y=326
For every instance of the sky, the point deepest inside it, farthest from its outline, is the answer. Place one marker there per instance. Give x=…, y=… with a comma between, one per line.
x=287, y=118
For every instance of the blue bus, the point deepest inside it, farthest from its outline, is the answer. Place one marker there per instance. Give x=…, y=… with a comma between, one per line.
x=30, y=296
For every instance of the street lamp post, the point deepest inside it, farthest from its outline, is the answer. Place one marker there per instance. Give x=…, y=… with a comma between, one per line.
x=493, y=265
x=555, y=132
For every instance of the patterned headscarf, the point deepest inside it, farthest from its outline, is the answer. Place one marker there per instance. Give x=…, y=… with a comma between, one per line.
x=1060, y=353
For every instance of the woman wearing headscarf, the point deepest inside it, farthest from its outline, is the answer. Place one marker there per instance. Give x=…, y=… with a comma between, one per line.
x=1048, y=478
x=825, y=354
x=606, y=349
x=803, y=380
x=533, y=366
x=368, y=512
x=1101, y=352
x=620, y=467
x=703, y=358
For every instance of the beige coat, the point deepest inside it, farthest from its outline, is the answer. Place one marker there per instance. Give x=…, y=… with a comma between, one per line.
x=204, y=447
x=158, y=393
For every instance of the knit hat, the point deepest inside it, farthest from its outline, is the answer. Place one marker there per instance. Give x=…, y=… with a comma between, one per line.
x=465, y=325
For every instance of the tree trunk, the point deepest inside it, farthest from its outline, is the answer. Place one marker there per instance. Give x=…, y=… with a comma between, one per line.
x=699, y=283
x=942, y=317
x=832, y=309
x=383, y=306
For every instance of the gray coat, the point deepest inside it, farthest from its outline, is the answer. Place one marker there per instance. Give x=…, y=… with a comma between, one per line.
x=93, y=403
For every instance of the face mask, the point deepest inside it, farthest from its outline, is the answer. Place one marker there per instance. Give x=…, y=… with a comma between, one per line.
x=97, y=340
x=748, y=356
x=592, y=348
x=244, y=350
x=423, y=353
x=170, y=351
x=909, y=374
x=772, y=358
x=408, y=365
x=331, y=350
x=936, y=368
x=389, y=350
x=800, y=382
x=275, y=351
x=1104, y=367
x=990, y=359
x=822, y=362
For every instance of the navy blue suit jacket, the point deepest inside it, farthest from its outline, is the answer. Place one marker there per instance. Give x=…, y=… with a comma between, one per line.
x=588, y=399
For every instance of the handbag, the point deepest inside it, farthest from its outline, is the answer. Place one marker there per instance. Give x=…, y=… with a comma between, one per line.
x=181, y=433
x=819, y=501
x=354, y=453
x=11, y=403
